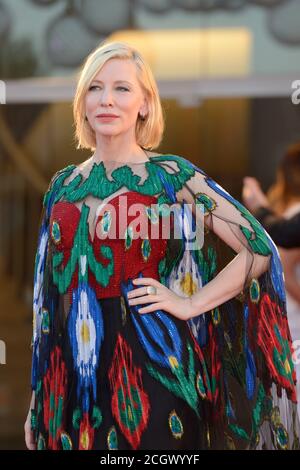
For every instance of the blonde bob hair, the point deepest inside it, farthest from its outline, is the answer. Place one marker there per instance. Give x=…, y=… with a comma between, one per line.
x=149, y=131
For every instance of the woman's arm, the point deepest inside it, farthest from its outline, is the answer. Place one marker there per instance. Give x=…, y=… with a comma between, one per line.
x=226, y=285
x=232, y=279
x=238, y=229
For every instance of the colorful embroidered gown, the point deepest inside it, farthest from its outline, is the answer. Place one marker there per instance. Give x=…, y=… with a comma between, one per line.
x=108, y=377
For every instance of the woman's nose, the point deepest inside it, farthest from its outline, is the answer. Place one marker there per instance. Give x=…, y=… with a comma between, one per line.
x=106, y=97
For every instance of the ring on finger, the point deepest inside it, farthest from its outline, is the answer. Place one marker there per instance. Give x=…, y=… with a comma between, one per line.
x=151, y=290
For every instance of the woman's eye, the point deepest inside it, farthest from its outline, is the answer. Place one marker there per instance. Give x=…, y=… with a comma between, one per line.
x=93, y=87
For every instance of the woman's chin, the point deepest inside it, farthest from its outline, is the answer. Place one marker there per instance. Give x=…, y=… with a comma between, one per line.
x=106, y=131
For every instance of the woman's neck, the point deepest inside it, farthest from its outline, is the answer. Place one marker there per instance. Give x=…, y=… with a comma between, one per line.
x=132, y=153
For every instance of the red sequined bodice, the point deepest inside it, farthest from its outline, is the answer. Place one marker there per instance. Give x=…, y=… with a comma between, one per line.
x=130, y=255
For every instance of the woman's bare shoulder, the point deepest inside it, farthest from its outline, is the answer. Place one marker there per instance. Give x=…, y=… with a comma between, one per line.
x=84, y=165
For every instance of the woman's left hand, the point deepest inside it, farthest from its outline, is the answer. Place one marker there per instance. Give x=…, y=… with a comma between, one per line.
x=164, y=299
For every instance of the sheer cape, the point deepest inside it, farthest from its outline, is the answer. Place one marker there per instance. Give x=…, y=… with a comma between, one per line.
x=246, y=382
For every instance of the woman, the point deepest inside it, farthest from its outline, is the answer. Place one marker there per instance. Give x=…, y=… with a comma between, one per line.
x=152, y=341
x=284, y=198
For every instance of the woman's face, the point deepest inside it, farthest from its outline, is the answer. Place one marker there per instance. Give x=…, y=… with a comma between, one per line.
x=115, y=90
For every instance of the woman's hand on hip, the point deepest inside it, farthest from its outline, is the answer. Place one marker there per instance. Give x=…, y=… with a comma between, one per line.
x=162, y=299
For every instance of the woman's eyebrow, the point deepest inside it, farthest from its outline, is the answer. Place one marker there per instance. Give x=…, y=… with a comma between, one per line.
x=116, y=81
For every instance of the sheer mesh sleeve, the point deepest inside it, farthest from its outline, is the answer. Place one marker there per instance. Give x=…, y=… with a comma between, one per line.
x=45, y=297
x=236, y=227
